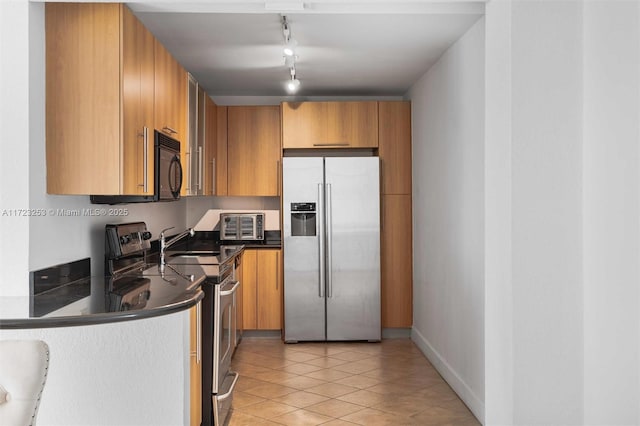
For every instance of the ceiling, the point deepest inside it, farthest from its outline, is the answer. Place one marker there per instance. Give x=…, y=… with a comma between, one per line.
x=362, y=48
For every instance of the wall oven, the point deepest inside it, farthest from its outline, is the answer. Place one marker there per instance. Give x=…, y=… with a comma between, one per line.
x=219, y=343
x=224, y=380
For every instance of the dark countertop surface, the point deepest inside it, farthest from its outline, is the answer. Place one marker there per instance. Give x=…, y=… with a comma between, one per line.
x=63, y=297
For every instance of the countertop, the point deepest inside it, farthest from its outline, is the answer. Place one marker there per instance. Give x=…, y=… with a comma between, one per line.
x=71, y=299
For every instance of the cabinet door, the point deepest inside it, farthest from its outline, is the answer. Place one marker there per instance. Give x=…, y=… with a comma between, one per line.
x=210, y=145
x=330, y=125
x=352, y=125
x=396, y=262
x=303, y=124
x=137, y=105
x=240, y=294
x=163, y=90
x=249, y=290
x=253, y=151
x=221, y=151
x=394, y=123
x=269, y=290
x=195, y=373
x=170, y=91
x=83, y=98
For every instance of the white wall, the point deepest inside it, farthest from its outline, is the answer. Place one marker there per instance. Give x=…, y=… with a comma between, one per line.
x=563, y=162
x=14, y=161
x=611, y=220
x=547, y=212
x=498, y=296
x=448, y=219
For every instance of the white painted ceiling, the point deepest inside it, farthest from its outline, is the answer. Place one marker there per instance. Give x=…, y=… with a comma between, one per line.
x=362, y=48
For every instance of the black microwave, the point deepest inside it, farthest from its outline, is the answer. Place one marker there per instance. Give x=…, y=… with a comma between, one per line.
x=167, y=175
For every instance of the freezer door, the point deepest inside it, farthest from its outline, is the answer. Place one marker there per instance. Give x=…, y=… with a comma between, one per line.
x=304, y=303
x=353, y=248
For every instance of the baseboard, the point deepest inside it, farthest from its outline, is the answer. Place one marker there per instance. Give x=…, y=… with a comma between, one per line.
x=396, y=333
x=475, y=404
x=261, y=334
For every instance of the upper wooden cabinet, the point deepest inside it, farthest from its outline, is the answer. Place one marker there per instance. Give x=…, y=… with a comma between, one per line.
x=99, y=100
x=210, y=145
x=253, y=150
x=330, y=125
x=394, y=123
x=171, y=102
x=221, y=151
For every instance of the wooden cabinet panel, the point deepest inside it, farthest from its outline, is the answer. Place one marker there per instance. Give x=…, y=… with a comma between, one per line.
x=330, y=125
x=221, y=151
x=83, y=65
x=269, y=290
x=137, y=106
x=303, y=124
x=262, y=289
x=354, y=124
x=394, y=123
x=249, y=290
x=396, y=262
x=170, y=94
x=210, y=146
x=253, y=150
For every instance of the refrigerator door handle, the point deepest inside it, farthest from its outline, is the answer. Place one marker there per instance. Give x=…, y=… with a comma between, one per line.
x=329, y=242
x=321, y=240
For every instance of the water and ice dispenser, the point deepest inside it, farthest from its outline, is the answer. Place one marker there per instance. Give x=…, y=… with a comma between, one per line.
x=303, y=219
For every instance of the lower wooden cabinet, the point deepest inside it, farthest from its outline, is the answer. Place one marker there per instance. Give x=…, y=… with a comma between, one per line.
x=262, y=289
x=396, y=262
x=195, y=370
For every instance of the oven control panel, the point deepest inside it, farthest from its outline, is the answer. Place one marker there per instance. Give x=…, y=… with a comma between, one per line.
x=126, y=239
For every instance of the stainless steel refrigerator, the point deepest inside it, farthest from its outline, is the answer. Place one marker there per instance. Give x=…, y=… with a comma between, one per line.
x=331, y=217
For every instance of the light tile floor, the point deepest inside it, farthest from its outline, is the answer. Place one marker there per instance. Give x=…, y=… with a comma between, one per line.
x=333, y=384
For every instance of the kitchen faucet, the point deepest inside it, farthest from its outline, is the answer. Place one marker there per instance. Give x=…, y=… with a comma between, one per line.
x=164, y=245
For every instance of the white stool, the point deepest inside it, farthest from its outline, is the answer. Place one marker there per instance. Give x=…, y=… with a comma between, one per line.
x=23, y=373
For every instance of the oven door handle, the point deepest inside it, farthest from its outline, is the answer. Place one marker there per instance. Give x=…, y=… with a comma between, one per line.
x=233, y=385
x=229, y=292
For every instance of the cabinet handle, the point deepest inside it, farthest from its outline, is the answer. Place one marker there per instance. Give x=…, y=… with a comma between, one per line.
x=278, y=177
x=213, y=177
x=277, y=269
x=169, y=130
x=332, y=144
x=200, y=168
x=321, y=241
x=187, y=162
x=329, y=261
x=145, y=159
x=198, y=332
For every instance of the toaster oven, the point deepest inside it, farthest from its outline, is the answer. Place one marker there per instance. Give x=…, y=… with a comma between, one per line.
x=241, y=226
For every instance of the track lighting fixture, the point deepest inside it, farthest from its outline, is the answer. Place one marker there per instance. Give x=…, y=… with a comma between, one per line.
x=290, y=56
x=294, y=83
